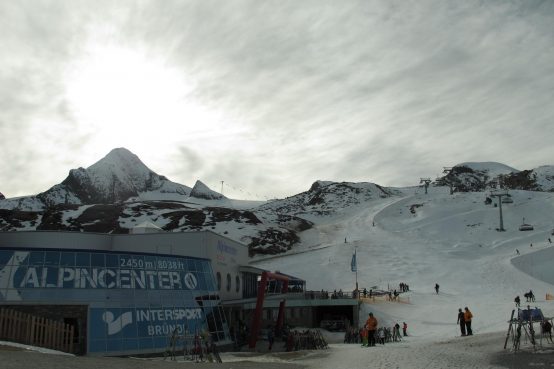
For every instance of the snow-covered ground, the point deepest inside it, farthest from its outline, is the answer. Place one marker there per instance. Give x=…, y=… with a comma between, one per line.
x=447, y=239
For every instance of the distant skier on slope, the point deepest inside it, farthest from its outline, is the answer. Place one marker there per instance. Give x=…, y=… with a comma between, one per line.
x=517, y=300
x=437, y=288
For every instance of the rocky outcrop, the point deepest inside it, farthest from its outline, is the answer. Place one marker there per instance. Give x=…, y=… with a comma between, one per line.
x=201, y=191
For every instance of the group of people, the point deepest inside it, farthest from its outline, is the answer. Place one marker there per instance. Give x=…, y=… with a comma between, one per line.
x=404, y=287
x=464, y=320
x=529, y=296
x=372, y=334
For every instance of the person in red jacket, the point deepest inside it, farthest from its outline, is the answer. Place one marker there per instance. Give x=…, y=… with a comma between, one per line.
x=405, y=329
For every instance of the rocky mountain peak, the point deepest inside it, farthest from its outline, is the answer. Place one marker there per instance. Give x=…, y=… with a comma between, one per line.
x=201, y=191
x=116, y=177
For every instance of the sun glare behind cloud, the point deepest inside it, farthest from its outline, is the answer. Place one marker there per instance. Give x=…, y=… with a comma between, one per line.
x=118, y=92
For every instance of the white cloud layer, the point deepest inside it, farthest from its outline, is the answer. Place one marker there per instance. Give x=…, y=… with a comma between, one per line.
x=271, y=96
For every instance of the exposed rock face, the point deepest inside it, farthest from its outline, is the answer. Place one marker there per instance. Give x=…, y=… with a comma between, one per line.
x=484, y=176
x=2, y=197
x=242, y=225
x=201, y=191
x=324, y=198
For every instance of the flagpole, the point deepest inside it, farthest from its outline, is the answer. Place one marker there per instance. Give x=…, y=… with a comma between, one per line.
x=357, y=291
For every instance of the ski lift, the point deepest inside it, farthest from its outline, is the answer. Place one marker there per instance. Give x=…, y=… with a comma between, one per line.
x=525, y=227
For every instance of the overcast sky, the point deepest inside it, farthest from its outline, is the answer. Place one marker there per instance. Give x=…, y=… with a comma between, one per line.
x=270, y=96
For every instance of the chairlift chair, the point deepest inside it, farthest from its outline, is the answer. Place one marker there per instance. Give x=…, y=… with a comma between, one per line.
x=525, y=227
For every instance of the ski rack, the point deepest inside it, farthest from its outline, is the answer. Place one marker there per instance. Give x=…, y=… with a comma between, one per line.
x=520, y=323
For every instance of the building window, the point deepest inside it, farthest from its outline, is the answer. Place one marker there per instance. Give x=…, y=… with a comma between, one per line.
x=237, y=282
x=218, y=277
x=228, y=282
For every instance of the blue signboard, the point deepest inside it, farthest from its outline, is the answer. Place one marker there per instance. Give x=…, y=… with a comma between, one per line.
x=136, y=301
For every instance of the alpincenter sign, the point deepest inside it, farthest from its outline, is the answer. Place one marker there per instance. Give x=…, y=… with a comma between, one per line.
x=166, y=275
x=71, y=277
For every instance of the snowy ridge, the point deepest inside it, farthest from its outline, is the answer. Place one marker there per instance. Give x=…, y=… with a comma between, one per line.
x=326, y=198
x=491, y=168
x=484, y=176
x=544, y=177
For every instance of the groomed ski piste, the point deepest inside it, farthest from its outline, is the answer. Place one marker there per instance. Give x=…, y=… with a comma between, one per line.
x=450, y=240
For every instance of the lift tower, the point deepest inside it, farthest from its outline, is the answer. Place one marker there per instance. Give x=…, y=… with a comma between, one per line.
x=499, y=194
x=426, y=182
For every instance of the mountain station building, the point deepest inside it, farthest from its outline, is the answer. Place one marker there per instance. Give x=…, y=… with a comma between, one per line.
x=128, y=293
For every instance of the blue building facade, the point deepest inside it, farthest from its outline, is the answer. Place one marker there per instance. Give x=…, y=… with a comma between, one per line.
x=134, y=301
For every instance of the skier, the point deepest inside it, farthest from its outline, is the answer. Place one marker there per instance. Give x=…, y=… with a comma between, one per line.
x=549, y=240
x=461, y=321
x=371, y=324
x=437, y=288
x=517, y=301
x=405, y=329
x=396, y=334
x=517, y=251
x=467, y=318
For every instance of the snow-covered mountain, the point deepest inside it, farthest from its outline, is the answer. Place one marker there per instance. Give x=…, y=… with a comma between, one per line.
x=115, y=178
x=119, y=192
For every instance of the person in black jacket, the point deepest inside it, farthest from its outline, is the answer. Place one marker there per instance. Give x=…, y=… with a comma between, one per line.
x=461, y=321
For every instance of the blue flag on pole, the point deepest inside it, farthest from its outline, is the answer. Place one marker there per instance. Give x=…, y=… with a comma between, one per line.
x=353, y=265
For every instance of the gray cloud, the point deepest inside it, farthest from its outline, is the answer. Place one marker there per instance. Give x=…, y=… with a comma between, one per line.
x=381, y=91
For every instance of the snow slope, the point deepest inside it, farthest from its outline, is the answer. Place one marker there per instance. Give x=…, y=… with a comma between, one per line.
x=423, y=239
